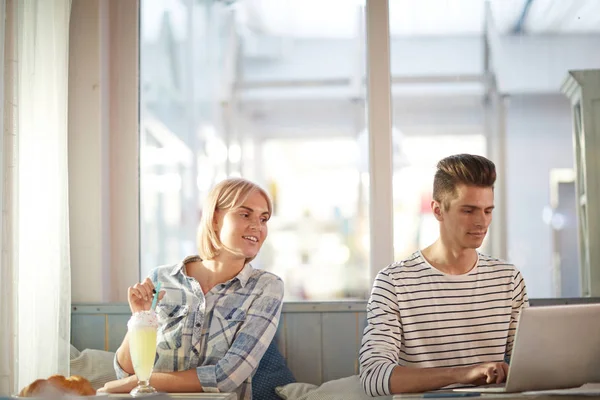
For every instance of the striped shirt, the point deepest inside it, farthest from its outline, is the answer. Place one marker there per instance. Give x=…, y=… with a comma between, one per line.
x=418, y=316
x=222, y=334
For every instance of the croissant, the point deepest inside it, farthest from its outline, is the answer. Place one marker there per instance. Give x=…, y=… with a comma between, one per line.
x=75, y=385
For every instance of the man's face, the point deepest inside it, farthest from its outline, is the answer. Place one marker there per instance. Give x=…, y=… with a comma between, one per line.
x=464, y=223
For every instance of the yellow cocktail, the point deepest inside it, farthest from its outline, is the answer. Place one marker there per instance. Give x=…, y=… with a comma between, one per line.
x=142, y=347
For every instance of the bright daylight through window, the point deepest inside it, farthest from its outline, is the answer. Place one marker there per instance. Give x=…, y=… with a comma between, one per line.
x=275, y=92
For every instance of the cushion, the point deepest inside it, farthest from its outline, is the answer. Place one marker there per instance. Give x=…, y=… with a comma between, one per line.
x=348, y=388
x=272, y=371
x=94, y=365
x=294, y=391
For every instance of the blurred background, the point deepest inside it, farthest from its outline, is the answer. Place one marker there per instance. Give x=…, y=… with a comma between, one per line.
x=274, y=91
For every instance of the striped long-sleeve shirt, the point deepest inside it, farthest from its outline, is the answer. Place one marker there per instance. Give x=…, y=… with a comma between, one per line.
x=419, y=317
x=223, y=334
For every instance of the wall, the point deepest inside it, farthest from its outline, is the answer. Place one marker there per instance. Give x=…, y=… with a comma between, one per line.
x=320, y=341
x=103, y=149
x=88, y=145
x=540, y=64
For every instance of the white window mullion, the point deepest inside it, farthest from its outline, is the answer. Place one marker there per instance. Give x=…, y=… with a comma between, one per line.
x=379, y=106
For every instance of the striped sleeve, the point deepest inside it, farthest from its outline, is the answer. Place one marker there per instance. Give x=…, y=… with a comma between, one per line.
x=519, y=300
x=380, y=348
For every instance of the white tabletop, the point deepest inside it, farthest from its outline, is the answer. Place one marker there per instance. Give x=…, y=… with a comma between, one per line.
x=158, y=396
x=491, y=396
x=182, y=396
x=204, y=396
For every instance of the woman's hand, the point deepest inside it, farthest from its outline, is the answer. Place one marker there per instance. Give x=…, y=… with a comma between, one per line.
x=140, y=296
x=124, y=385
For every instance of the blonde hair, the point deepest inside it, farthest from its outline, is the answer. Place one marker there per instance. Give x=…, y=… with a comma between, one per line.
x=467, y=169
x=226, y=195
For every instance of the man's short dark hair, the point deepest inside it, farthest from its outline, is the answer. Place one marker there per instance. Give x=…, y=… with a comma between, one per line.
x=465, y=169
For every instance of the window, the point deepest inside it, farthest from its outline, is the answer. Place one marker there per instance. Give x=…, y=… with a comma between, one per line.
x=242, y=89
x=485, y=78
x=438, y=106
x=274, y=91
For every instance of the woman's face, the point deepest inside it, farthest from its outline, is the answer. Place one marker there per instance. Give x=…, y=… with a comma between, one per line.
x=243, y=230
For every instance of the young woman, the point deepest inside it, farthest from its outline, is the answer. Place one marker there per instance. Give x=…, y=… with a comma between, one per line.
x=217, y=314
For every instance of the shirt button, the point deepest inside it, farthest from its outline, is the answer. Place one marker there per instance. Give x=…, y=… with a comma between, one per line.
x=198, y=325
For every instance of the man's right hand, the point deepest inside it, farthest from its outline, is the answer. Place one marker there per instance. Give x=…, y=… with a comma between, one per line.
x=140, y=296
x=417, y=380
x=486, y=373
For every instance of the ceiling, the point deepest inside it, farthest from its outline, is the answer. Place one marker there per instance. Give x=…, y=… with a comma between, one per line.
x=341, y=18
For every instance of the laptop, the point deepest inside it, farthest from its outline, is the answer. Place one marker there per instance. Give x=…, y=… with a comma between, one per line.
x=555, y=347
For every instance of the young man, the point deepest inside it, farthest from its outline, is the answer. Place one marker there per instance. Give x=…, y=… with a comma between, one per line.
x=447, y=315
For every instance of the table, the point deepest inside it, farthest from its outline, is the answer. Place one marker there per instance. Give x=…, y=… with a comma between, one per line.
x=204, y=396
x=176, y=396
x=502, y=396
x=158, y=396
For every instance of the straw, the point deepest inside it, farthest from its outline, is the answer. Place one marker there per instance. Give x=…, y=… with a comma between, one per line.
x=155, y=298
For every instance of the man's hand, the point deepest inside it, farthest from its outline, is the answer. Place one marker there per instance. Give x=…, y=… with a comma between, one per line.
x=124, y=385
x=487, y=373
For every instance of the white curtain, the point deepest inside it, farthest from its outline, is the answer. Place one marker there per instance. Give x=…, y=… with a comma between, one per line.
x=35, y=192
x=8, y=290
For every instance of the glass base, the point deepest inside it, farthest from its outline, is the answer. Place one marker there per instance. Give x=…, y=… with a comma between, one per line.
x=142, y=389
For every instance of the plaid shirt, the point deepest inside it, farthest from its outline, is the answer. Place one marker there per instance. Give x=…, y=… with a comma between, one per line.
x=222, y=334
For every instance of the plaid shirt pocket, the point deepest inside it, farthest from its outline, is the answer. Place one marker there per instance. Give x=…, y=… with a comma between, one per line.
x=172, y=319
x=226, y=322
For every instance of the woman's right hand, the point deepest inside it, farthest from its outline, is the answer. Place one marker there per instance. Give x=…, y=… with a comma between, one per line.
x=140, y=296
